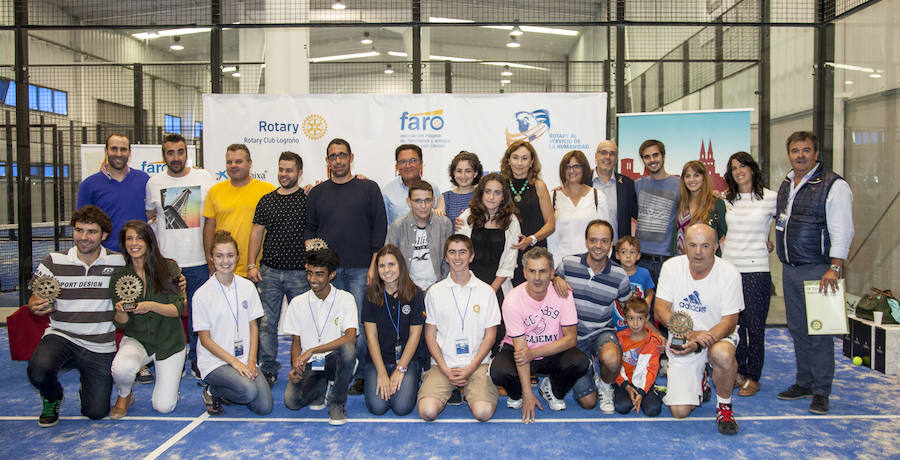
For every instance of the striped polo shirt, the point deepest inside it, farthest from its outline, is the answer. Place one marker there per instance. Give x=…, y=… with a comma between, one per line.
x=84, y=312
x=595, y=293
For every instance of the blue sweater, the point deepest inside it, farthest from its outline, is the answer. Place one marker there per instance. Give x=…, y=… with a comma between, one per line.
x=350, y=217
x=121, y=201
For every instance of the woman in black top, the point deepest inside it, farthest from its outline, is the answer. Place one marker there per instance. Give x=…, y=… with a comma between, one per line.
x=393, y=315
x=521, y=167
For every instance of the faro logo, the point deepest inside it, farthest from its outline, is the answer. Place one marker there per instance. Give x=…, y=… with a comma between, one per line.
x=424, y=121
x=153, y=167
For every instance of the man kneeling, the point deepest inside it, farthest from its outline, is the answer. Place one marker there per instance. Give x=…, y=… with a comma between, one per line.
x=708, y=289
x=541, y=330
x=461, y=318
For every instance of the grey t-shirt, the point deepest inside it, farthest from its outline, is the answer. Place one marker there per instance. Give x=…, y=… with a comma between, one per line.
x=657, y=201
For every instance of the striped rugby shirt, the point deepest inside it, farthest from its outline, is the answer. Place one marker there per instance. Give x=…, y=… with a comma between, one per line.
x=84, y=312
x=595, y=293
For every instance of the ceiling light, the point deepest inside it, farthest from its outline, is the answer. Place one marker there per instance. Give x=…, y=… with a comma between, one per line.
x=512, y=42
x=506, y=72
x=236, y=74
x=517, y=66
x=366, y=40
x=338, y=5
x=848, y=82
x=505, y=81
x=435, y=57
x=230, y=68
x=388, y=70
x=448, y=20
x=170, y=32
x=516, y=31
x=176, y=47
x=875, y=75
x=538, y=30
x=342, y=57
x=396, y=53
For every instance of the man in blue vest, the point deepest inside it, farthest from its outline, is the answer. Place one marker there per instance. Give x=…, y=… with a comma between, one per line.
x=813, y=231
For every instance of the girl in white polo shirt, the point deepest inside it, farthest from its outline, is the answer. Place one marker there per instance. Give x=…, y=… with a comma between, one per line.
x=225, y=310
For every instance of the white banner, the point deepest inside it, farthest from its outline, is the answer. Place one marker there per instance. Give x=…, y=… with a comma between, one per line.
x=146, y=157
x=375, y=124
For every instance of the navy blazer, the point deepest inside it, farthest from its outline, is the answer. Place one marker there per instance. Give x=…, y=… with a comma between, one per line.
x=626, y=203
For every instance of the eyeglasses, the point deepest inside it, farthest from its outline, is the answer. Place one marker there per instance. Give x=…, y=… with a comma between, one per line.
x=573, y=166
x=410, y=162
x=335, y=156
x=422, y=201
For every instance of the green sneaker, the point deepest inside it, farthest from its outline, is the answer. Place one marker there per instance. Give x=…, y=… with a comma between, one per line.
x=50, y=413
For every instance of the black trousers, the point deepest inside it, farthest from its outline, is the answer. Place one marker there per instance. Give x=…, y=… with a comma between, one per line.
x=564, y=369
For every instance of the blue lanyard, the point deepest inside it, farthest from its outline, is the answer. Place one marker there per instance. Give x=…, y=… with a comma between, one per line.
x=319, y=332
x=462, y=316
x=388, y=308
x=234, y=313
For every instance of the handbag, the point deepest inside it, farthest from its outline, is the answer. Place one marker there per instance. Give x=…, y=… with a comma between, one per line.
x=877, y=301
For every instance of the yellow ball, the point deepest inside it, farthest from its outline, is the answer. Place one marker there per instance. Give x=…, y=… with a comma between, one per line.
x=857, y=360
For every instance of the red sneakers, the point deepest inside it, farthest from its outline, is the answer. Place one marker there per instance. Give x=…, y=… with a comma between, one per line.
x=725, y=419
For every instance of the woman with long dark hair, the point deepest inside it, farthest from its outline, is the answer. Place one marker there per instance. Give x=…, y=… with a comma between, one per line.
x=521, y=167
x=696, y=203
x=393, y=315
x=151, y=322
x=750, y=212
x=465, y=172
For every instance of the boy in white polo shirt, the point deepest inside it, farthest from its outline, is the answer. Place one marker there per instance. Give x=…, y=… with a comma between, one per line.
x=323, y=322
x=460, y=326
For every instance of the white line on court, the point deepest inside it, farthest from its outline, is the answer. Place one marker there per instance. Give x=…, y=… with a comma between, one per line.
x=206, y=418
x=171, y=441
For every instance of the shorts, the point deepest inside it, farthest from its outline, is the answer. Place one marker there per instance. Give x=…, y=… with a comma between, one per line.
x=591, y=347
x=684, y=378
x=480, y=387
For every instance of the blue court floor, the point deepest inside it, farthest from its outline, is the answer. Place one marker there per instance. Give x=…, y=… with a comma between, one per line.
x=864, y=423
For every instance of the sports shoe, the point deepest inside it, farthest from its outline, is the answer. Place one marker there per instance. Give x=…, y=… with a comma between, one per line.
x=213, y=403
x=271, y=379
x=336, y=415
x=514, y=403
x=195, y=371
x=144, y=375
x=725, y=419
x=49, y=413
x=318, y=404
x=456, y=398
x=358, y=387
x=819, y=405
x=704, y=384
x=120, y=409
x=795, y=392
x=605, y=397
x=547, y=393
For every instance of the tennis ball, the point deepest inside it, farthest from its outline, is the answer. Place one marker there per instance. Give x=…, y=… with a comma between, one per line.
x=867, y=360
x=857, y=360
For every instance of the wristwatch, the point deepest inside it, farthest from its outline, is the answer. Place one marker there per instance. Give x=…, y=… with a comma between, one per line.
x=401, y=369
x=533, y=240
x=251, y=266
x=837, y=268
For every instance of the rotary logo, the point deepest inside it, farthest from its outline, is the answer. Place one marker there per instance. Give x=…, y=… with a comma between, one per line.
x=529, y=126
x=315, y=126
x=816, y=325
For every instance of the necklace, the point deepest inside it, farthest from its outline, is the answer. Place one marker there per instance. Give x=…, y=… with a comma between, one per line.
x=517, y=195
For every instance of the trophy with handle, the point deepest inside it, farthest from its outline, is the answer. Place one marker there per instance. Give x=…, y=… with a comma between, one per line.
x=129, y=288
x=680, y=324
x=46, y=287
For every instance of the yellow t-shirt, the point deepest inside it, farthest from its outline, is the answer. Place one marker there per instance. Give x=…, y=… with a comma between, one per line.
x=233, y=208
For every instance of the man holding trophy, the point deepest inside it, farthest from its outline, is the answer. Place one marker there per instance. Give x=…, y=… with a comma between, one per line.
x=699, y=298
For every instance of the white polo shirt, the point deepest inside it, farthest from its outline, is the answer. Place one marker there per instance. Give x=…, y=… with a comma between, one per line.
x=461, y=314
x=318, y=321
x=226, y=312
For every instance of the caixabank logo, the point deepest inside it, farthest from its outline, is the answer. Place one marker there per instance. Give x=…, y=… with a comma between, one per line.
x=529, y=126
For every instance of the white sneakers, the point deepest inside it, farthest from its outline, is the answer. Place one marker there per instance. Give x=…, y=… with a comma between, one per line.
x=514, y=403
x=605, y=395
x=547, y=393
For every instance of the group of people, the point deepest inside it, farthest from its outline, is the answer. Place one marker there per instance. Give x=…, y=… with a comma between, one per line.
x=475, y=291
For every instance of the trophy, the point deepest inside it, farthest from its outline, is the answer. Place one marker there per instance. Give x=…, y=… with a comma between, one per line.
x=128, y=288
x=680, y=324
x=46, y=287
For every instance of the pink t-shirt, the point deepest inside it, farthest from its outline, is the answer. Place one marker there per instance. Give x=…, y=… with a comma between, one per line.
x=540, y=321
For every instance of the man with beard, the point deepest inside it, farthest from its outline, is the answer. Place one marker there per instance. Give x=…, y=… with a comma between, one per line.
x=174, y=201
x=116, y=189
x=278, y=225
x=596, y=283
x=231, y=204
x=657, y=196
x=348, y=213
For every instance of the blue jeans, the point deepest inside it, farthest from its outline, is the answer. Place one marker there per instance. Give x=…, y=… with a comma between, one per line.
x=226, y=382
x=194, y=277
x=813, y=354
x=274, y=286
x=591, y=347
x=403, y=401
x=54, y=354
x=353, y=280
x=339, y=366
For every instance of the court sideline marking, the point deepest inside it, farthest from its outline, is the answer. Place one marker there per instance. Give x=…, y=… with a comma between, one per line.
x=177, y=437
